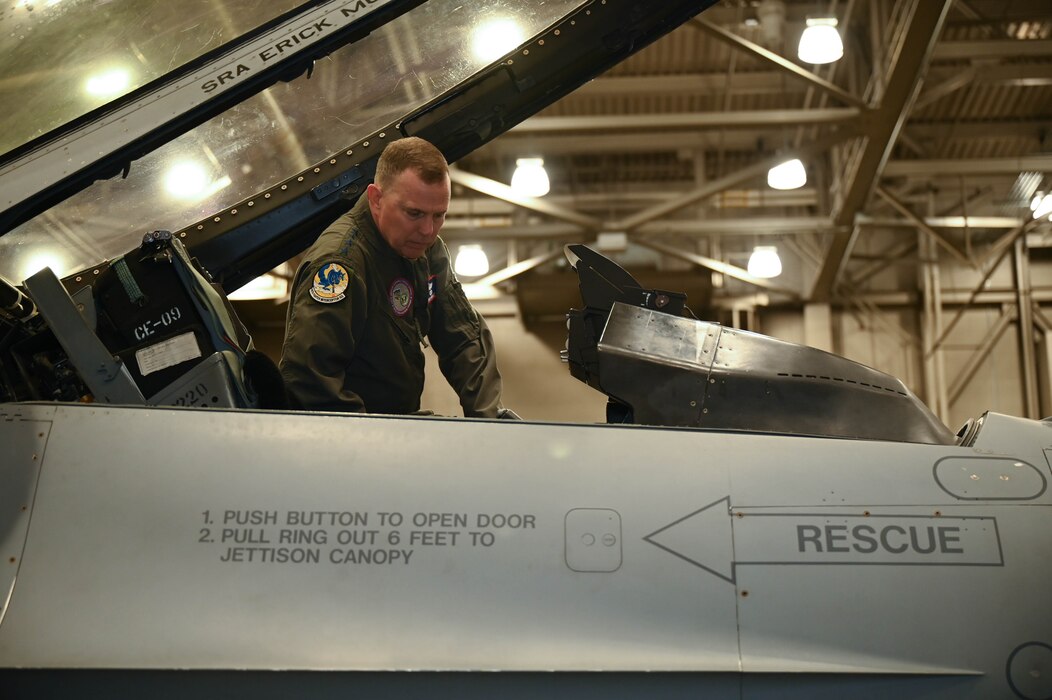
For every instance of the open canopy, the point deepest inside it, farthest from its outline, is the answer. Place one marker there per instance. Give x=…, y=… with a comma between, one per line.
x=289, y=103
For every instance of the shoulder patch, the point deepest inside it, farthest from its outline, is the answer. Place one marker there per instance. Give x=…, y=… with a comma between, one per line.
x=330, y=283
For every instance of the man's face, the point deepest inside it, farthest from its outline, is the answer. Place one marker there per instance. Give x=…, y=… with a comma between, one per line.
x=409, y=212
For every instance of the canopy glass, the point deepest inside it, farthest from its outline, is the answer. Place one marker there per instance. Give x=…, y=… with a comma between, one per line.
x=265, y=139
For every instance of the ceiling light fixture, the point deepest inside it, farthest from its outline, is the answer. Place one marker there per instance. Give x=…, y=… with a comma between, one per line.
x=530, y=178
x=1042, y=207
x=790, y=175
x=751, y=19
x=820, y=42
x=471, y=261
x=764, y=262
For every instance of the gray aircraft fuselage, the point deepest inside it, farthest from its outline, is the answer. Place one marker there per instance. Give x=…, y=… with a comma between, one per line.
x=166, y=538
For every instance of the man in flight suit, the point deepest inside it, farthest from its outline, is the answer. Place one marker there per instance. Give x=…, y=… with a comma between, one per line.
x=373, y=287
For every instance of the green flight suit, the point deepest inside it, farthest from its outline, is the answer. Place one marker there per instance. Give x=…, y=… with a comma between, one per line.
x=358, y=316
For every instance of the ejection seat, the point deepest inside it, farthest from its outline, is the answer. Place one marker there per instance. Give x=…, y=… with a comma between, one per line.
x=151, y=328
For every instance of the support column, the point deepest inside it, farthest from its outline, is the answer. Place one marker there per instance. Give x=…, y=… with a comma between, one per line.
x=1026, y=328
x=818, y=326
x=931, y=324
x=1045, y=374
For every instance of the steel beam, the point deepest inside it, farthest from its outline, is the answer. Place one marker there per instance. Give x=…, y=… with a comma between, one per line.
x=990, y=48
x=917, y=221
x=1026, y=75
x=514, y=144
x=754, y=83
x=1021, y=268
x=784, y=64
x=923, y=23
x=766, y=226
x=968, y=166
x=745, y=119
x=715, y=265
x=751, y=226
x=893, y=254
x=947, y=87
x=976, y=291
x=502, y=191
x=635, y=195
x=1006, y=241
x=994, y=297
x=724, y=183
x=965, y=374
x=706, y=190
x=934, y=362
x=1032, y=128
x=584, y=141
x=972, y=222
x=566, y=232
x=518, y=268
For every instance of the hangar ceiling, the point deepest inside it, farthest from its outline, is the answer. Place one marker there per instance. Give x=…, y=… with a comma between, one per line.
x=934, y=128
x=936, y=120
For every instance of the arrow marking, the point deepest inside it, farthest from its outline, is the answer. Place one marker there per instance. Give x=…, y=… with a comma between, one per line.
x=704, y=534
x=711, y=538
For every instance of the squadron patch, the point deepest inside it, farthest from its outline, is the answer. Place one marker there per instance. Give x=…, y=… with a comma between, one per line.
x=400, y=295
x=432, y=289
x=330, y=283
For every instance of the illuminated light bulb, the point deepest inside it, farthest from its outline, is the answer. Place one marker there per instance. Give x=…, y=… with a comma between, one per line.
x=108, y=84
x=764, y=262
x=820, y=42
x=186, y=180
x=1043, y=207
x=790, y=175
x=496, y=38
x=471, y=261
x=530, y=178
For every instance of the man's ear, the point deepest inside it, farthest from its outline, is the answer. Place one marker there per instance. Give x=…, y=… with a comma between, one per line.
x=373, y=192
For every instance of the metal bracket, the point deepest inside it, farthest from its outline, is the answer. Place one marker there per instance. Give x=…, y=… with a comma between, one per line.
x=105, y=375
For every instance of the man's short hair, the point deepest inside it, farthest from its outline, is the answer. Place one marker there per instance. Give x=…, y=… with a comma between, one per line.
x=411, y=152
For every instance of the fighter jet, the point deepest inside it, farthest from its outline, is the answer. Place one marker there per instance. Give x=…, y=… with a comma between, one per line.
x=756, y=519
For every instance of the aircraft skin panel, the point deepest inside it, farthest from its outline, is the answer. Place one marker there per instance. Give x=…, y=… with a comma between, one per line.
x=963, y=600
x=1001, y=434
x=634, y=549
x=23, y=442
x=116, y=546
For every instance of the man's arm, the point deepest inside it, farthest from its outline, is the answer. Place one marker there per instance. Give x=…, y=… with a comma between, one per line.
x=463, y=342
x=327, y=312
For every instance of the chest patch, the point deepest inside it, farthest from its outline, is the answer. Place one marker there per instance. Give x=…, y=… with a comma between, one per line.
x=330, y=284
x=432, y=289
x=400, y=295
